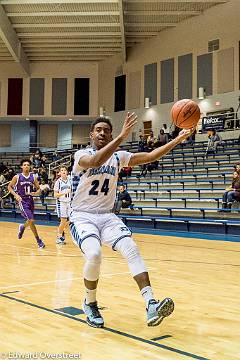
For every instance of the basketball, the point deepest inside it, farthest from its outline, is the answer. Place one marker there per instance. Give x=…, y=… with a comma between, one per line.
x=185, y=114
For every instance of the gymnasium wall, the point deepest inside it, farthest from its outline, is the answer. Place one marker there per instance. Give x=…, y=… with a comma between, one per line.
x=174, y=50
x=50, y=90
x=219, y=74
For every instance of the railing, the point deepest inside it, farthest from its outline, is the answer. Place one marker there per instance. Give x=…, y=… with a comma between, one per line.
x=66, y=160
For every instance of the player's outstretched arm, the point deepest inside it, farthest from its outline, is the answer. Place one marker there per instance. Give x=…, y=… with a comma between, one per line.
x=145, y=158
x=94, y=161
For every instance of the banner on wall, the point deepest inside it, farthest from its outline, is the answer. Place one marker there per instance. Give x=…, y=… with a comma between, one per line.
x=213, y=122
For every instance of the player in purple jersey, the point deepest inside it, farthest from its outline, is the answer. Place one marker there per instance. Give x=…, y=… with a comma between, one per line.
x=22, y=187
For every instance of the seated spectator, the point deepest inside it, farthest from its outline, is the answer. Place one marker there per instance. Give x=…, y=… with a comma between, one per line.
x=142, y=144
x=214, y=140
x=166, y=130
x=9, y=174
x=162, y=139
x=43, y=161
x=125, y=172
x=36, y=159
x=123, y=200
x=2, y=179
x=56, y=156
x=149, y=168
x=43, y=175
x=232, y=193
x=151, y=140
x=45, y=189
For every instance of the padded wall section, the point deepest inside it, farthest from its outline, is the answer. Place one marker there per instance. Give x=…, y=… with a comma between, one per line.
x=48, y=134
x=36, y=101
x=134, y=90
x=5, y=135
x=185, y=76
x=167, y=81
x=225, y=70
x=205, y=73
x=80, y=133
x=150, y=82
x=59, y=96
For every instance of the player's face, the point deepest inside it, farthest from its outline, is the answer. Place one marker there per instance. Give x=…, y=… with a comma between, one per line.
x=63, y=173
x=26, y=167
x=101, y=135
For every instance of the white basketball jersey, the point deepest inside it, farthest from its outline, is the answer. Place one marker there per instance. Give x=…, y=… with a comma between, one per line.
x=94, y=189
x=62, y=186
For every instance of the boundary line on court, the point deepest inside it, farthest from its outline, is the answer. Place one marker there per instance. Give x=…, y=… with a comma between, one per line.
x=114, y=331
x=180, y=234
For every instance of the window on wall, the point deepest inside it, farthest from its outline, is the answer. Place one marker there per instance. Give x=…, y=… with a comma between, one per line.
x=5, y=135
x=120, y=93
x=81, y=96
x=15, y=93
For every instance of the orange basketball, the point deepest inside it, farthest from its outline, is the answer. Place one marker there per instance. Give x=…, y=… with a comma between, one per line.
x=185, y=114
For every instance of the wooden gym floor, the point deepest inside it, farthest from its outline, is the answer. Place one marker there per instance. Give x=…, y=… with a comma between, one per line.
x=41, y=293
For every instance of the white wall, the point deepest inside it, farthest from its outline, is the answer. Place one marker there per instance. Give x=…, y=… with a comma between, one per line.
x=191, y=36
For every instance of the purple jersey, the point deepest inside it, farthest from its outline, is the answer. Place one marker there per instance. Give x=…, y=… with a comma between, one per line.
x=25, y=185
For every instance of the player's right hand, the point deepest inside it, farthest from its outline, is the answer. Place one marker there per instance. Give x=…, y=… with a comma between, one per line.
x=129, y=122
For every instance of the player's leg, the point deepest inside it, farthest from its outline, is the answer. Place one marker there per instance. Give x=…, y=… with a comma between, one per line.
x=29, y=211
x=156, y=310
x=35, y=233
x=63, y=224
x=86, y=236
x=118, y=236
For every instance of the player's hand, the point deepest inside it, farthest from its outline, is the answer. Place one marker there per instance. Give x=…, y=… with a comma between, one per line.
x=129, y=122
x=185, y=133
x=18, y=198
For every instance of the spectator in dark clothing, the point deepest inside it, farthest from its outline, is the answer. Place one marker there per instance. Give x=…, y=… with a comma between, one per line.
x=162, y=139
x=142, y=144
x=233, y=192
x=3, y=168
x=214, y=140
x=123, y=200
x=56, y=156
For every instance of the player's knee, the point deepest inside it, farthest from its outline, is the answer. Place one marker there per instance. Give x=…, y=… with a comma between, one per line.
x=128, y=249
x=94, y=256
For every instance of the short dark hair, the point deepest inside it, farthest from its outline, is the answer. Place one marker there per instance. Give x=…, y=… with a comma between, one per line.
x=99, y=120
x=25, y=160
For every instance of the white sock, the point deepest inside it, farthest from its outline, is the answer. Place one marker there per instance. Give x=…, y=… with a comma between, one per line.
x=90, y=295
x=147, y=294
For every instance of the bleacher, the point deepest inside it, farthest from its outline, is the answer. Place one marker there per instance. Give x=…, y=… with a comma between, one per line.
x=184, y=193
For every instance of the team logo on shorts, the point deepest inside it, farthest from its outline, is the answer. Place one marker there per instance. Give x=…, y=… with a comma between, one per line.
x=123, y=228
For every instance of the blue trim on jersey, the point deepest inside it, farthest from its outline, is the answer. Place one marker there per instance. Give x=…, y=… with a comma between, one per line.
x=77, y=238
x=58, y=208
x=75, y=180
x=118, y=161
x=120, y=238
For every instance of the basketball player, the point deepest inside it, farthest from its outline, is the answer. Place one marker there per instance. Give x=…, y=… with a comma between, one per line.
x=92, y=224
x=62, y=193
x=22, y=187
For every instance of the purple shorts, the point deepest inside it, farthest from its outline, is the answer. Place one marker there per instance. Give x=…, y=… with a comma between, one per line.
x=27, y=208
